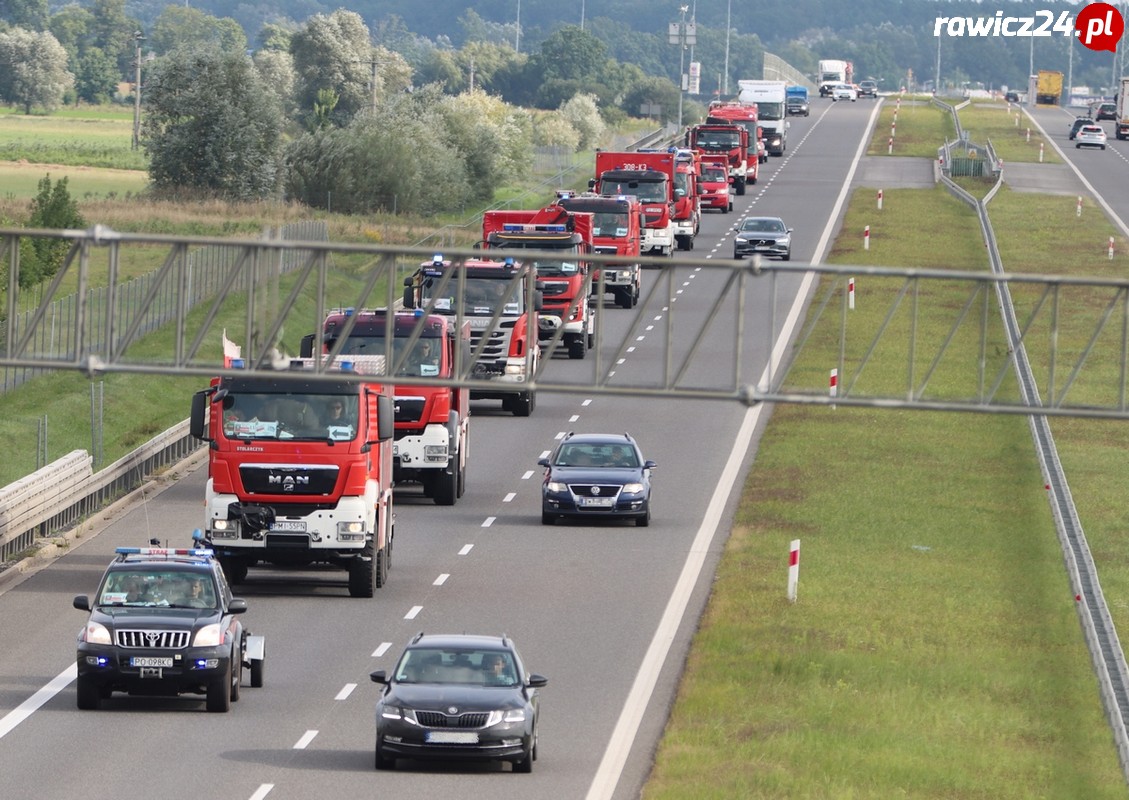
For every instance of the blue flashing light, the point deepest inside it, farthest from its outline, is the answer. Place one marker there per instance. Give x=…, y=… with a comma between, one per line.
x=199, y=552
x=349, y=311
x=509, y=262
x=417, y=313
x=197, y=535
x=201, y=663
x=346, y=366
x=238, y=363
x=437, y=260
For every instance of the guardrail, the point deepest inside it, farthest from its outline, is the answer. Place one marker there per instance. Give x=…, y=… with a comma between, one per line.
x=61, y=494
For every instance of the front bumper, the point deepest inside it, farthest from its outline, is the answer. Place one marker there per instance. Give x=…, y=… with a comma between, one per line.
x=718, y=199
x=112, y=668
x=503, y=742
x=628, y=506
x=748, y=249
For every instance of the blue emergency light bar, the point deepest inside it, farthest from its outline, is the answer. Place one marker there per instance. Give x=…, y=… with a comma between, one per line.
x=520, y=227
x=163, y=551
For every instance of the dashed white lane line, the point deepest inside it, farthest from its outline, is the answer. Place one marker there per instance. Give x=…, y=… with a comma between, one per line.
x=631, y=349
x=346, y=690
x=378, y=652
x=414, y=612
x=486, y=523
x=509, y=498
x=466, y=548
x=587, y=402
x=529, y=473
x=442, y=579
x=262, y=791
x=561, y=435
x=574, y=418
x=307, y=737
x=641, y=337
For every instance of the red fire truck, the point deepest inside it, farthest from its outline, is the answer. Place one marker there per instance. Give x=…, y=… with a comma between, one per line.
x=432, y=422
x=650, y=177
x=617, y=229
x=734, y=113
x=564, y=280
x=730, y=142
x=289, y=483
x=495, y=303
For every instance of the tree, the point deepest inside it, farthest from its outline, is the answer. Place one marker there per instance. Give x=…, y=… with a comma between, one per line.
x=28, y=14
x=333, y=52
x=178, y=26
x=33, y=70
x=212, y=125
x=276, y=67
x=115, y=33
x=96, y=76
x=651, y=92
x=583, y=115
x=52, y=208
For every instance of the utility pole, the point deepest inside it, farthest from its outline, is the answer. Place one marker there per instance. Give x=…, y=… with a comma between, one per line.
x=517, y=31
x=138, y=38
x=373, y=64
x=681, y=35
x=728, y=27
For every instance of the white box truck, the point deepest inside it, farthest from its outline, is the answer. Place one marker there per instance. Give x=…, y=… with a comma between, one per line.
x=768, y=97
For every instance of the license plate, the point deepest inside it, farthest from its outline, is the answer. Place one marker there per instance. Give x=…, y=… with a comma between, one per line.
x=597, y=502
x=150, y=661
x=286, y=525
x=452, y=737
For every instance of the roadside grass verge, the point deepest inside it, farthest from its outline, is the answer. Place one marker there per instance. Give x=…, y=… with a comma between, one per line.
x=91, y=137
x=934, y=650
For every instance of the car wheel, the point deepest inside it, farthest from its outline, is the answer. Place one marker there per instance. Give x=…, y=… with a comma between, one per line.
x=87, y=694
x=645, y=520
x=548, y=519
x=1103, y=147
x=382, y=761
x=787, y=256
x=219, y=693
x=236, y=676
x=525, y=766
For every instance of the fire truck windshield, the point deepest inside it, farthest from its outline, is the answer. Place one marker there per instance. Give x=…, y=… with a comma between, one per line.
x=482, y=298
x=306, y=415
x=719, y=140
x=609, y=224
x=646, y=191
x=423, y=360
x=556, y=269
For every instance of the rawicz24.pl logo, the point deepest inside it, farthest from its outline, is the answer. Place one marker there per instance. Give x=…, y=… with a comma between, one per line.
x=1098, y=26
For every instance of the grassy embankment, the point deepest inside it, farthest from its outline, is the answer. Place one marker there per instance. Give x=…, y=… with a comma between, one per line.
x=934, y=651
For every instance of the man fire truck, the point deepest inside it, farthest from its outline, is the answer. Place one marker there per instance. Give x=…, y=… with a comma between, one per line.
x=291, y=485
x=650, y=177
x=730, y=142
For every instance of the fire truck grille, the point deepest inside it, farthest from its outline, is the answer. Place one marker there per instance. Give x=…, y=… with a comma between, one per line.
x=153, y=639
x=409, y=409
x=288, y=480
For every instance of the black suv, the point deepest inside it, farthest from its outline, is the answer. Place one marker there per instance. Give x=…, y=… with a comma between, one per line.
x=163, y=622
x=868, y=89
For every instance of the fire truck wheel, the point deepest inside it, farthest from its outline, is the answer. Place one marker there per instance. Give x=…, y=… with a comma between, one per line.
x=363, y=571
x=522, y=405
x=234, y=569
x=578, y=346
x=462, y=478
x=383, y=562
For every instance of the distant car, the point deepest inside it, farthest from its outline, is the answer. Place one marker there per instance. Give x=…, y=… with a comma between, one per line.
x=1012, y=97
x=767, y=236
x=1090, y=136
x=1105, y=111
x=458, y=697
x=714, y=181
x=844, y=91
x=596, y=475
x=796, y=106
x=868, y=89
x=1078, y=123
x=163, y=622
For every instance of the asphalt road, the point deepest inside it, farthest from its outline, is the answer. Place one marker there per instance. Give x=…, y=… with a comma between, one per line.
x=595, y=608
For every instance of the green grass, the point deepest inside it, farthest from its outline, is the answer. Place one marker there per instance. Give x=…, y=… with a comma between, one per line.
x=934, y=651
x=79, y=137
x=21, y=180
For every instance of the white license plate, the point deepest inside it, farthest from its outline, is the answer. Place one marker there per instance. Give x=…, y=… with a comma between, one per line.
x=597, y=502
x=452, y=737
x=150, y=661
x=291, y=527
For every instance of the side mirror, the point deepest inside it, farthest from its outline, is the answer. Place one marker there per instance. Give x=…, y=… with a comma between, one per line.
x=543, y=462
x=409, y=294
x=306, y=346
x=385, y=417
x=648, y=464
x=237, y=606
x=81, y=602
x=196, y=417
x=537, y=681
x=379, y=676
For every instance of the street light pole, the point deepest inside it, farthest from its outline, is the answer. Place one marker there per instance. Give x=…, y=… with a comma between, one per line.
x=517, y=33
x=137, y=92
x=681, y=60
x=725, y=78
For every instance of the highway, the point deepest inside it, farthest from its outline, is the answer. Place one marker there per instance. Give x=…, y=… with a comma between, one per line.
x=585, y=604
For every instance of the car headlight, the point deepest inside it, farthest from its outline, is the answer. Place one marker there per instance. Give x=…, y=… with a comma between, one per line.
x=208, y=636
x=556, y=486
x=511, y=715
x=96, y=633
x=399, y=713
x=632, y=488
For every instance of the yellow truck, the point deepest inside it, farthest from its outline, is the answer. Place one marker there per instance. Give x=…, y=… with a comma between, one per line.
x=1048, y=88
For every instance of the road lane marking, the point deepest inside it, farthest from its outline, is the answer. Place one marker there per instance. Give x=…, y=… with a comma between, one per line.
x=378, y=652
x=509, y=498
x=488, y=522
x=414, y=612
x=307, y=737
x=466, y=549
x=529, y=473
x=262, y=791
x=442, y=579
x=346, y=690
x=32, y=704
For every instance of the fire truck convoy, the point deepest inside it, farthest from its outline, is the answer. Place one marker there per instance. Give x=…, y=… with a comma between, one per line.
x=617, y=229
x=291, y=485
x=500, y=301
x=563, y=279
x=432, y=422
x=650, y=177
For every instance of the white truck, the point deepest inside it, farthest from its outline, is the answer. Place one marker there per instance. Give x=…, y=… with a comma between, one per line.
x=768, y=97
x=831, y=72
x=1121, y=125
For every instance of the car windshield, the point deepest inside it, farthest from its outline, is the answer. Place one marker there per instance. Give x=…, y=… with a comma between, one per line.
x=148, y=586
x=763, y=225
x=621, y=456
x=714, y=175
x=290, y=415
x=466, y=667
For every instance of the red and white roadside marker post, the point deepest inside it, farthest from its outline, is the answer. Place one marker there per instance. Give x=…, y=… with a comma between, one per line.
x=890, y=146
x=1078, y=212
x=1040, y=152
x=851, y=293
x=879, y=199
x=1111, y=248
x=833, y=385
x=793, y=570
x=866, y=238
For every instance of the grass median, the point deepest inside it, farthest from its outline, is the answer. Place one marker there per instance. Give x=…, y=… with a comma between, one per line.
x=934, y=650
